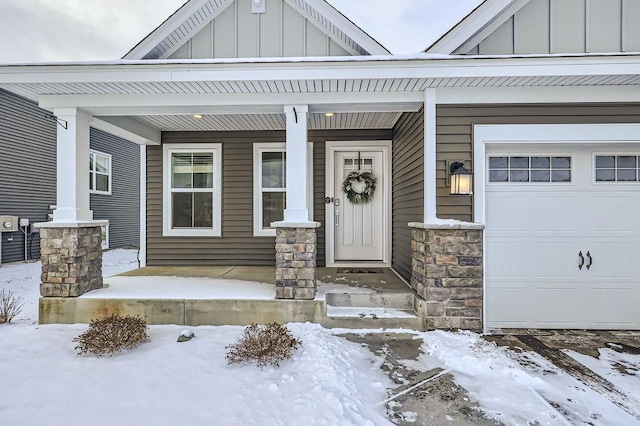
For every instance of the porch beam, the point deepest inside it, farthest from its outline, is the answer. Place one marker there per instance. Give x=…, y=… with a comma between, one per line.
x=72, y=203
x=430, y=186
x=128, y=128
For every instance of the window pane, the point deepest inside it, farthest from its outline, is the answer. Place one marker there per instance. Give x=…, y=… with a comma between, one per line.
x=181, y=213
x=540, y=176
x=540, y=162
x=561, y=162
x=181, y=170
x=203, y=210
x=273, y=170
x=519, y=176
x=273, y=204
x=627, y=175
x=102, y=164
x=102, y=182
x=203, y=170
x=605, y=162
x=91, y=181
x=519, y=162
x=498, y=176
x=91, y=156
x=498, y=162
x=605, y=175
x=626, y=162
x=561, y=176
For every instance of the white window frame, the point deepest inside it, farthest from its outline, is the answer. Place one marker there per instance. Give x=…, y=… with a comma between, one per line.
x=92, y=173
x=616, y=182
x=258, y=149
x=216, y=228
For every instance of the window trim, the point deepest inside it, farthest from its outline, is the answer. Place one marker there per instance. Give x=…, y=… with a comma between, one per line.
x=93, y=173
x=258, y=149
x=216, y=228
x=512, y=153
x=105, y=241
x=616, y=154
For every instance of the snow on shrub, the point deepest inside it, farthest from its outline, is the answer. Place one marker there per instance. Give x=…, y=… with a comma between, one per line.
x=112, y=334
x=10, y=306
x=263, y=344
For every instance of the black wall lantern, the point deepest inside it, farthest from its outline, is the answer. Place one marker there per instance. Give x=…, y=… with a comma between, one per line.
x=461, y=179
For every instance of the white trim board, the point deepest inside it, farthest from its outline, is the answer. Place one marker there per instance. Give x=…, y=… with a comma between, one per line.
x=336, y=146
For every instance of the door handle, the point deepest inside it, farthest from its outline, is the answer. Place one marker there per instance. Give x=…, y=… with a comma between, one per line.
x=581, y=264
x=337, y=217
x=590, y=261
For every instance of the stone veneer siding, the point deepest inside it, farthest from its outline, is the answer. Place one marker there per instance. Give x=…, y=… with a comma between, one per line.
x=296, y=263
x=447, y=272
x=71, y=261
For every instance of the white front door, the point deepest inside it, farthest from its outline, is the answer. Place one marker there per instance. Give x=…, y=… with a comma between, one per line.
x=562, y=237
x=359, y=230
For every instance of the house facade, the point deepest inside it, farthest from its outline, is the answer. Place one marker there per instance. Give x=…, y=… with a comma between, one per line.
x=28, y=179
x=252, y=117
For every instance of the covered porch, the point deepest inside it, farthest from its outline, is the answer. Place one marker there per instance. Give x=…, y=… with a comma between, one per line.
x=239, y=295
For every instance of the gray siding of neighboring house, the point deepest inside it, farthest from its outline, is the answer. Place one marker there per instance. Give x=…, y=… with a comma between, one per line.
x=237, y=246
x=455, y=135
x=122, y=207
x=27, y=170
x=408, y=187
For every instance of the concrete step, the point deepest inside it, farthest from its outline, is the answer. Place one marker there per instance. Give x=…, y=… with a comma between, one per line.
x=406, y=321
x=372, y=300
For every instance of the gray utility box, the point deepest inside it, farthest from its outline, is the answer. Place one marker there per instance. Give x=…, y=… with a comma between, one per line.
x=8, y=223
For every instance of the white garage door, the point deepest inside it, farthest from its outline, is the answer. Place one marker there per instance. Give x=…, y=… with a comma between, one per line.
x=563, y=237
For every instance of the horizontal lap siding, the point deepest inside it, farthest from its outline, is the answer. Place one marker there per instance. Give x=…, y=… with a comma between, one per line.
x=408, y=187
x=27, y=170
x=237, y=246
x=122, y=207
x=455, y=135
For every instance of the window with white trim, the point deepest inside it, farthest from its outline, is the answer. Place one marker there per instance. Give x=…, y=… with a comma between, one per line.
x=529, y=169
x=270, y=186
x=99, y=172
x=617, y=168
x=192, y=190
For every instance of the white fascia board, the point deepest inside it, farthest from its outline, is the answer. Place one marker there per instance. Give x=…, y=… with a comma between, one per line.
x=242, y=103
x=352, y=31
x=492, y=26
x=449, y=67
x=165, y=29
x=537, y=95
x=469, y=26
x=129, y=129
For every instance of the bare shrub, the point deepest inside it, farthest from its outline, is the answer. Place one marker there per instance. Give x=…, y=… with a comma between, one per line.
x=10, y=306
x=112, y=334
x=263, y=344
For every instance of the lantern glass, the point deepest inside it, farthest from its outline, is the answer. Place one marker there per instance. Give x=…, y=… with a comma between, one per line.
x=461, y=184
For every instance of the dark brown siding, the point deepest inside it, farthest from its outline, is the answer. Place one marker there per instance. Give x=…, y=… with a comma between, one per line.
x=408, y=187
x=455, y=139
x=237, y=246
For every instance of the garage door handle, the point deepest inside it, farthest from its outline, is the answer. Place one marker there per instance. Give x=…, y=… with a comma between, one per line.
x=581, y=260
x=590, y=261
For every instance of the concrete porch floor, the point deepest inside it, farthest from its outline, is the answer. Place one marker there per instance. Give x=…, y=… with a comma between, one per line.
x=240, y=295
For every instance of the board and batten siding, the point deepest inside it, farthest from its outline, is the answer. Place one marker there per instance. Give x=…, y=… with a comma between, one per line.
x=238, y=33
x=567, y=26
x=237, y=246
x=27, y=170
x=455, y=136
x=122, y=207
x=408, y=187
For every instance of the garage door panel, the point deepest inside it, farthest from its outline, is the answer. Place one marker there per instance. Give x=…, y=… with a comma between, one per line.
x=615, y=308
x=557, y=307
x=603, y=213
x=508, y=308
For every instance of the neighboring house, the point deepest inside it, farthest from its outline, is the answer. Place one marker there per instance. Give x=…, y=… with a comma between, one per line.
x=28, y=178
x=243, y=105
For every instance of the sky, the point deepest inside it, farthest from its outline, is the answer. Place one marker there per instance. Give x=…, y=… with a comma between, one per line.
x=86, y=30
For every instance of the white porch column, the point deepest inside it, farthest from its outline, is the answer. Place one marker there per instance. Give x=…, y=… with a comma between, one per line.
x=430, y=185
x=296, y=147
x=72, y=203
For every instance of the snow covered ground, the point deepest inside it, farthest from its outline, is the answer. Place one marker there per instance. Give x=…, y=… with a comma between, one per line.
x=330, y=381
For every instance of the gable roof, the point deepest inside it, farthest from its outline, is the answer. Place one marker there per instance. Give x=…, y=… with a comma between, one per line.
x=196, y=14
x=476, y=26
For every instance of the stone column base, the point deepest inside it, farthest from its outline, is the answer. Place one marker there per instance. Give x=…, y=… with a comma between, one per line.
x=71, y=255
x=296, y=262
x=447, y=272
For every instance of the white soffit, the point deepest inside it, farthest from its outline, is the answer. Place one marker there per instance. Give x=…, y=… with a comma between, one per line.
x=476, y=26
x=196, y=14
